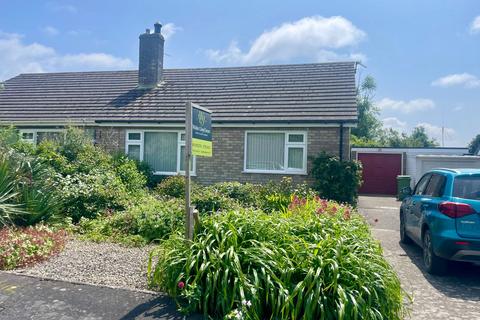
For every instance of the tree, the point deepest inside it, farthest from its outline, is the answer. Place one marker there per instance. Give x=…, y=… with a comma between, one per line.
x=420, y=138
x=474, y=145
x=370, y=132
x=369, y=126
x=417, y=139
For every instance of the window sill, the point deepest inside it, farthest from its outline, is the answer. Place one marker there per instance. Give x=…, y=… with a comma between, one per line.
x=299, y=173
x=173, y=174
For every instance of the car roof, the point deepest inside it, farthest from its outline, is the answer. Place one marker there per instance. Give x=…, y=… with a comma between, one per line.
x=459, y=171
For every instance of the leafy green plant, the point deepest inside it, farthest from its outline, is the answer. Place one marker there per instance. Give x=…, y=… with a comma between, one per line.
x=276, y=196
x=246, y=194
x=209, y=199
x=335, y=179
x=21, y=247
x=316, y=260
x=173, y=186
x=90, y=195
x=139, y=224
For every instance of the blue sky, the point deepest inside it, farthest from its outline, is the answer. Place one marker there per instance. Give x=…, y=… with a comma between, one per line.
x=424, y=55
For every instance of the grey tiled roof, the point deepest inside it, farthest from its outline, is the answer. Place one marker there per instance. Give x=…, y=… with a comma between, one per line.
x=323, y=92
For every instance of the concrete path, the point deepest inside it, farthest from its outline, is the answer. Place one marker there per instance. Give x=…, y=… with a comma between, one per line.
x=455, y=296
x=23, y=297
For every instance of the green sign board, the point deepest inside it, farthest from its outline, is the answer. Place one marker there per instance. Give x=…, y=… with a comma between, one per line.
x=201, y=131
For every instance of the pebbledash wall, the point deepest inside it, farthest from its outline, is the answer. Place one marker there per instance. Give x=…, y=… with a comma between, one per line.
x=227, y=163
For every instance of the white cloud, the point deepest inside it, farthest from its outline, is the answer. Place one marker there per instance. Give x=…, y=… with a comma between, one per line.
x=310, y=39
x=475, y=26
x=406, y=106
x=458, y=108
x=50, y=31
x=394, y=123
x=62, y=7
x=458, y=79
x=19, y=57
x=169, y=29
x=436, y=131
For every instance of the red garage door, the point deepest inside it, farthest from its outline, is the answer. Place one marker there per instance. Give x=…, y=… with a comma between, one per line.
x=380, y=171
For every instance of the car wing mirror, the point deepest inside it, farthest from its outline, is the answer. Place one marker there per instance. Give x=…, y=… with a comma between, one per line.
x=406, y=191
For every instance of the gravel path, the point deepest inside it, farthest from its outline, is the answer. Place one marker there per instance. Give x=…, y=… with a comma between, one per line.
x=96, y=263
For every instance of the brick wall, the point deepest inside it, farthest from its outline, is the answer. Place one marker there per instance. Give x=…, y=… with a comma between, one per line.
x=228, y=152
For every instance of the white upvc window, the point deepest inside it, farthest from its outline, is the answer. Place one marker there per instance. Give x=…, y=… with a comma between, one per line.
x=162, y=150
x=36, y=136
x=275, y=152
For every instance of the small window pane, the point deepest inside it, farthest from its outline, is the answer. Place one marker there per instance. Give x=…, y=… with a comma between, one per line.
x=182, y=137
x=134, y=136
x=295, y=158
x=182, y=159
x=295, y=138
x=133, y=152
x=265, y=151
x=27, y=135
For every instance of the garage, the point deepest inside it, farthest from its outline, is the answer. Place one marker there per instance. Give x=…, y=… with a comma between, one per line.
x=382, y=165
x=379, y=172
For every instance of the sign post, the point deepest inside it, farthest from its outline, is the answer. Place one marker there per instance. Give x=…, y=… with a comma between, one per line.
x=198, y=142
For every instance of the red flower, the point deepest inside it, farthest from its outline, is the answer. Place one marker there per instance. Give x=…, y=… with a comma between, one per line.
x=181, y=284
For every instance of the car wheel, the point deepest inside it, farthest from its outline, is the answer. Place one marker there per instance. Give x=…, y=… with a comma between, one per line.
x=433, y=263
x=404, y=238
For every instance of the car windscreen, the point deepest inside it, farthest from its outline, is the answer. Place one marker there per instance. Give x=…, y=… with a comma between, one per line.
x=467, y=187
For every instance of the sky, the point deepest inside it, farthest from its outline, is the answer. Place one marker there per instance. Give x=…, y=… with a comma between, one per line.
x=424, y=55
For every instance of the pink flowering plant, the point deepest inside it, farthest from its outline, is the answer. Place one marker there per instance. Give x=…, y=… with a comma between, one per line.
x=20, y=247
x=316, y=259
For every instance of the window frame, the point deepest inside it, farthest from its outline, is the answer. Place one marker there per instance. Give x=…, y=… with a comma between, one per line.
x=35, y=133
x=287, y=146
x=180, y=144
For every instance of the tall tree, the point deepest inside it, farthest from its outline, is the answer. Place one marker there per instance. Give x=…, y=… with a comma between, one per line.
x=369, y=126
x=474, y=145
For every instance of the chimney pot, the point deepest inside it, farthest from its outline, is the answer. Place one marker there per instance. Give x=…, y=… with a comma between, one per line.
x=158, y=27
x=147, y=31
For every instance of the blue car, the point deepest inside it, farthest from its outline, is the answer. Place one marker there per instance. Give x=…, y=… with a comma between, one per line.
x=442, y=215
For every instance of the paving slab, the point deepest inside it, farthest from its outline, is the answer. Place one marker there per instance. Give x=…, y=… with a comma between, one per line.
x=454, y=296
x=24, y=297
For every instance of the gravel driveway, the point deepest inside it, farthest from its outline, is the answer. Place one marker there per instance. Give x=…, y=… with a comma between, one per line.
x=456, y=296
x=105, y=264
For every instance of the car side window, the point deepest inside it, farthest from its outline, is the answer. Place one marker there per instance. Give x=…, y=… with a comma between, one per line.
x=435, y=186
x=422, y=184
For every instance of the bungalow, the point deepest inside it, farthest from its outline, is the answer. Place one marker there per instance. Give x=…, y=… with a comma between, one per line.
x=267, y=120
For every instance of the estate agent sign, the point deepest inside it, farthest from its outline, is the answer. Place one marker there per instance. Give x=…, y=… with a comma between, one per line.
x=201, y=131
x=198, y=142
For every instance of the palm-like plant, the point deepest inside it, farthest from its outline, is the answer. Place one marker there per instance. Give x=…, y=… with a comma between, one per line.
x=8, y=208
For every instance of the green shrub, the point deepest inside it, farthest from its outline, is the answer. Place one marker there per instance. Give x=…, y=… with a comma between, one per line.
x=127, y=170
x=317, y=260
x=173, y=186
x=25, y=195
x=209, y=199
x=276, y=196
x=245, y=193
x=335, y=179
x=20, y=247
x=139, y=224
x=90, y=195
